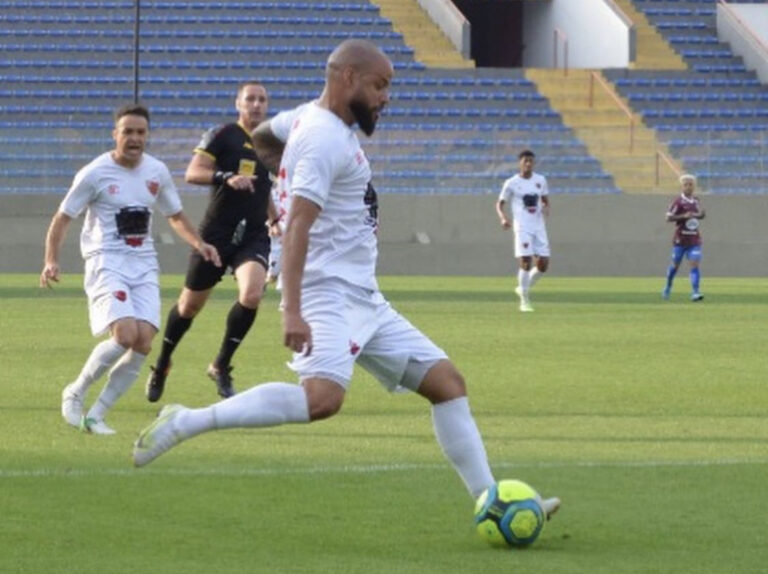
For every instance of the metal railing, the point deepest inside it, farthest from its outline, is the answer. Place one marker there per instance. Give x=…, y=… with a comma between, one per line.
x=596, y=77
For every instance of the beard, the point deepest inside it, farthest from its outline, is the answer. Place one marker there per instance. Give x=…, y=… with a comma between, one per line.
x=363, y=116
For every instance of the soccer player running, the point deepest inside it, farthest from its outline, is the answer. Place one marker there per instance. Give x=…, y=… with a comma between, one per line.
x=333, y=312
x=119, y=190
x=528, y=194
x=239, y=210
x=686, y=213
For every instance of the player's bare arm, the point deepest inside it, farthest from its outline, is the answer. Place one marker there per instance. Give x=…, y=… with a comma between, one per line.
x=183, y=227
x=545, y=205
x=202, y=171
x=273, y=219
x=296, y=332
x=57, y=231
x=268, y=146
x=501, y=212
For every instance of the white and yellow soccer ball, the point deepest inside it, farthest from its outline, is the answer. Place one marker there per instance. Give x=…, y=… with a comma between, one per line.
x=509, y=513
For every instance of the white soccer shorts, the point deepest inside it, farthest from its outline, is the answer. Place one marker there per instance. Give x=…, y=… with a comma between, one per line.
x=529, y=243
x=351, y=324
x=131, y=291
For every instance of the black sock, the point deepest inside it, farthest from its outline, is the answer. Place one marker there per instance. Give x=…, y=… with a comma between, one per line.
x=175, y=328
x=239, y=322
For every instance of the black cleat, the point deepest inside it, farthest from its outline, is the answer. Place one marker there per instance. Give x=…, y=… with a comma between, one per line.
x=223, y=380
x=156, y=383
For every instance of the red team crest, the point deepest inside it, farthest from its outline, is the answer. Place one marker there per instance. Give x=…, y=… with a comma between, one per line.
x=120, y=295
x=153, y=187
x=113, y=189
x=354, y=348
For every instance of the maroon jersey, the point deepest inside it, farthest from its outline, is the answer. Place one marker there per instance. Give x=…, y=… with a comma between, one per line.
x=687, y=230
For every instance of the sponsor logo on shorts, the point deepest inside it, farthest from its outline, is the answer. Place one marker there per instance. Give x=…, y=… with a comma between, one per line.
x=120, y=295
x=354, y=348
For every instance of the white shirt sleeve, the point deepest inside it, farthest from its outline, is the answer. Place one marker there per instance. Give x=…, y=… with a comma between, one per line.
x=168, y=200
x=506, y=191
x=282, y=122
x=544, y=186
x=317, y=165
x=80, y=194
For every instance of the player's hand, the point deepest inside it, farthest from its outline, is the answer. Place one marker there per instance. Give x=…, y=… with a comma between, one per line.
x=545, y=210
x=50, y=273
x=210, y=253
x=297, y=334
x=275, y=230
x=242, y=183
x=505, y=223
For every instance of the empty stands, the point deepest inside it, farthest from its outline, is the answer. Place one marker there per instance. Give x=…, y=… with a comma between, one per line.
x=67, y=64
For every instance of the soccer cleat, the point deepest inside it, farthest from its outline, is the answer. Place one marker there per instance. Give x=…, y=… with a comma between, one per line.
x=223, y=380
x=157, y=438
x=665, y=293
x=156, y=383
x=71, y=406
x=550, y=506
x=696, y=296
x=525, y=306
x=95, y=426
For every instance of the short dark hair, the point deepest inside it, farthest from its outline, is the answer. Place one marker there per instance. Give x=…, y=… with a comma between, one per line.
x=526, y=153
x=242, y=85
x=131, y=110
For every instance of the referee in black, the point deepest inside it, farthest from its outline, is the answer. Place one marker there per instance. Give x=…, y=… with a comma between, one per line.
x=237, y=222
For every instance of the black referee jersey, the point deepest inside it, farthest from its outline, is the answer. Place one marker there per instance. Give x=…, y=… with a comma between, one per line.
x=231, y=147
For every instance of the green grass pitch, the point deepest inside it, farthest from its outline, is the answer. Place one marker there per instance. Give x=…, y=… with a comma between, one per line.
x=648, y=418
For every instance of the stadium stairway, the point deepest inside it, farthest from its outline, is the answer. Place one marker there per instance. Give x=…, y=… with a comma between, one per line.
x=432, y=47
x=713, y=116
x=652, y=51
x=628, y=152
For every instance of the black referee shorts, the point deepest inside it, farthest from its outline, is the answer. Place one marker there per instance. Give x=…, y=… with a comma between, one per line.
x=202, y=274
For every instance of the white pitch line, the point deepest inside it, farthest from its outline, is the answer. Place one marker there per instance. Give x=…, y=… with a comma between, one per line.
x=354, y=469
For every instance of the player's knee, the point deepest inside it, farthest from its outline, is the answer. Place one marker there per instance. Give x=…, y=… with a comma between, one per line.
x=252, y=297
x=324, y=398
x=542, y=265
x=188, y=307
x=443, y=382
x=125, y=333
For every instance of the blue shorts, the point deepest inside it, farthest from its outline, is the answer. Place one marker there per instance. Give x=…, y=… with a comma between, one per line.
x=691, y=252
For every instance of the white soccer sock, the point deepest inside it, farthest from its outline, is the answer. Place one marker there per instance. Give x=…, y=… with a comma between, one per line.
x=533, y=277
x=266, y=405
x=524, y=280
x=121, y=377
x=461, y=442
x=103, y=356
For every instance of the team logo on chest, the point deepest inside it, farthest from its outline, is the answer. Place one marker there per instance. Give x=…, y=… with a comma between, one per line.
x=113, y=189
x=153, y=186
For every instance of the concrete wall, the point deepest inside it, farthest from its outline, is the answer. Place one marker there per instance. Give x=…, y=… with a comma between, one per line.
x=745, y=28
x=614, y=235
x=599, y=35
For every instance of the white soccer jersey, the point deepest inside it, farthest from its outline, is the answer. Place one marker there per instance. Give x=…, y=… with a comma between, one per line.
x=524, y=198
x=119, y=202
x=281, y=124
x=324, y=163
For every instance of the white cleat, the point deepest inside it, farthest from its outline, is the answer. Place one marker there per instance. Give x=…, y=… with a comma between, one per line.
x=525, y=306
x=157, y=438
x=71, y=406
x=696, y=296
x=550, y=506
x=95, y=426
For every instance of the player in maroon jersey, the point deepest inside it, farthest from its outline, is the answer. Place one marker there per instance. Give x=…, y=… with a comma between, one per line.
x=686, y=212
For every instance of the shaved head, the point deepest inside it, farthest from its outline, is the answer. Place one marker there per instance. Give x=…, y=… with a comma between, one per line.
x=361, y=55
x=357, y=79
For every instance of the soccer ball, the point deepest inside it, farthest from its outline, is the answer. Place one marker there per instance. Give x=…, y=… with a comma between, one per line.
x=509, y=513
